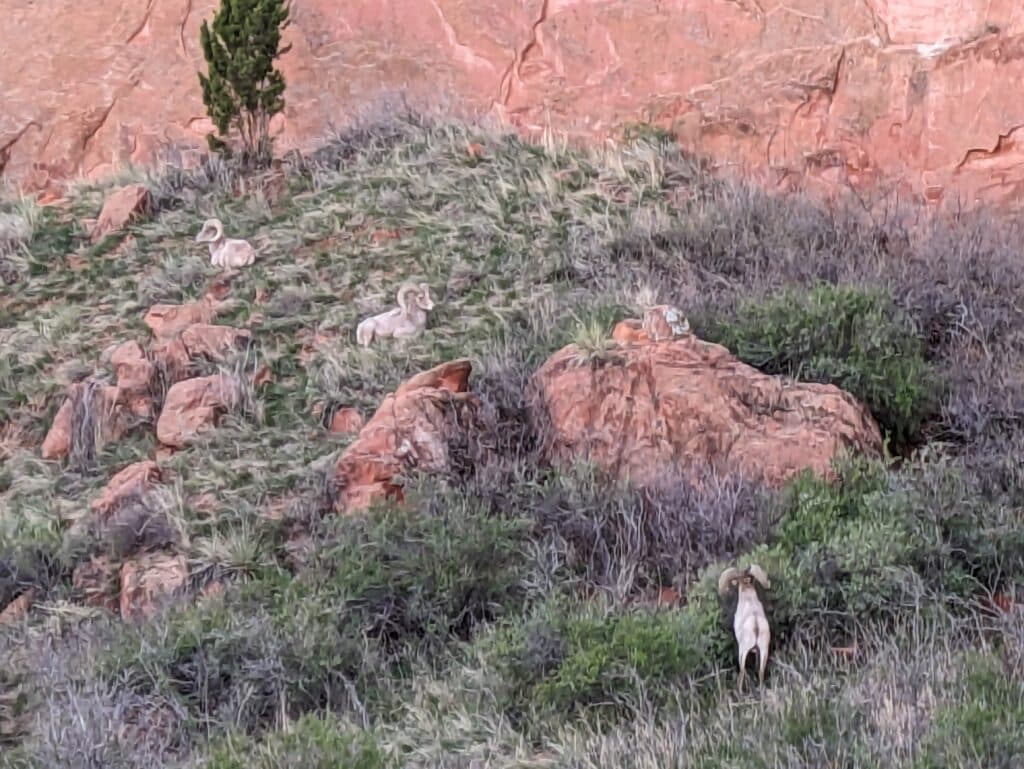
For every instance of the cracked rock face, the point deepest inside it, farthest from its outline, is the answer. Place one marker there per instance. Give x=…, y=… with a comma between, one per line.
x=920, y=94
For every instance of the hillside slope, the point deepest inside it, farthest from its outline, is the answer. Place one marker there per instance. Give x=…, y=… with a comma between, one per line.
x=507, y=614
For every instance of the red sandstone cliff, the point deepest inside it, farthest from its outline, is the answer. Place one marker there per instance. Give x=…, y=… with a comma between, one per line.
x=925, y=93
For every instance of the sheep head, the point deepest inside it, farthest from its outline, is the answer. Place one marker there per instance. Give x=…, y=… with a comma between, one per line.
x=412, y=295
x=733, y=576
x=212, y=231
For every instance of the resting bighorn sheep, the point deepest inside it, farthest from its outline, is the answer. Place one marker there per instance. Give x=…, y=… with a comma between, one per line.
x=405, y=321
x=750, y=623
x=225, y=252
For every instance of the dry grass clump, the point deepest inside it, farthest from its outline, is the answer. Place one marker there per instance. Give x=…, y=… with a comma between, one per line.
x=511, y=616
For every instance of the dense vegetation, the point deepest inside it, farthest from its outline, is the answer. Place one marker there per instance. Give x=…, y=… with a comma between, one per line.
x=506, y=615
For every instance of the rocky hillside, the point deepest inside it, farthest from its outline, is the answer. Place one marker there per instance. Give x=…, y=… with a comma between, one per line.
x=917, y=97
x=232, y=537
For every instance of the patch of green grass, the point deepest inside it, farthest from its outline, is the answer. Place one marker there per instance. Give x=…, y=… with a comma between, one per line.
x=313, y=742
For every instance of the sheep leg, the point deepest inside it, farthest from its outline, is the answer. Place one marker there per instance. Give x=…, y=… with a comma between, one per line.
x=762, y=655
x=743, y=673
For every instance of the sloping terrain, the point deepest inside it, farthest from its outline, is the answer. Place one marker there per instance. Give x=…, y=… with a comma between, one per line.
x=507, y=612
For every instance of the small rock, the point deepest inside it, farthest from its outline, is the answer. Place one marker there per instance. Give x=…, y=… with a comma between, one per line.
x=150, y=580
x=130, y=483
x=172, y=359
x=193, y=406
x=18, y=608
x=213, y=342
x=57, y=442
x=346, y=421
x=167, y=321
x=96, y=582
x=121, y=207
x=134, y=373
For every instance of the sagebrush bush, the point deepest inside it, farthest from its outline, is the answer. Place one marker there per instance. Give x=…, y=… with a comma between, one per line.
x=856, y=339
x=376, y=591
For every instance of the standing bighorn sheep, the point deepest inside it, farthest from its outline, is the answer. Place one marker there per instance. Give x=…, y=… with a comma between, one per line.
x=405, y=321
x=750, y=623
x=225, y=252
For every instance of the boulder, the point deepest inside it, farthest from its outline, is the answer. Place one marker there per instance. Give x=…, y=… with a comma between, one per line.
x=121, y=206
x=650, y=411
x=193, y=406
x=149, y=581
x=412, y=429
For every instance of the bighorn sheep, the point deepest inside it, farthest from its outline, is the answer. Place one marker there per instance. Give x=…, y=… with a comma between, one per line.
x=225, y=252
x=405, y=321
x=750, y=623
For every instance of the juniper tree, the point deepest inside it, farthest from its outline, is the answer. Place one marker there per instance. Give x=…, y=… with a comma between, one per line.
x=242, y=89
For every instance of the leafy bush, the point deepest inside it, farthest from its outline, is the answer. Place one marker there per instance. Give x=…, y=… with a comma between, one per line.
x=312, y=742
x=857, y=340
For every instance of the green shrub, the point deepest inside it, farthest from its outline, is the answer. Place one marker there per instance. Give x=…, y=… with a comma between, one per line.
x=858, y=340
x=312, y=742
x=573, y=659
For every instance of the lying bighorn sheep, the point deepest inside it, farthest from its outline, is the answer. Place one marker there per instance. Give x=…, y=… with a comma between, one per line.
x=750, y=623
x=225, y=252
x=405, y=321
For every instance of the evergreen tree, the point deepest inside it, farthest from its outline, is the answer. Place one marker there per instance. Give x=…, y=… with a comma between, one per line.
x=242, y=89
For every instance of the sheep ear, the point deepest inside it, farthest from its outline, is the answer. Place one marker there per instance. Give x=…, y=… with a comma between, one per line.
x=757, y=573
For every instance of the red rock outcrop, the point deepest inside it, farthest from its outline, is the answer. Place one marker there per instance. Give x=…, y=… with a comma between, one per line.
x=920, y=93
x=410, y=430
x=652, y=410
x=193, y=406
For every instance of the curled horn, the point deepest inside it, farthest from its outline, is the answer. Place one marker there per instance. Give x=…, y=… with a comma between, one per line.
x=425, y=301
x=757, y=573
x=406, y=291
x=727, y=576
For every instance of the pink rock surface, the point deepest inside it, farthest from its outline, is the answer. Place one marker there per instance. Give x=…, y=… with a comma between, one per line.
x=918, y=95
